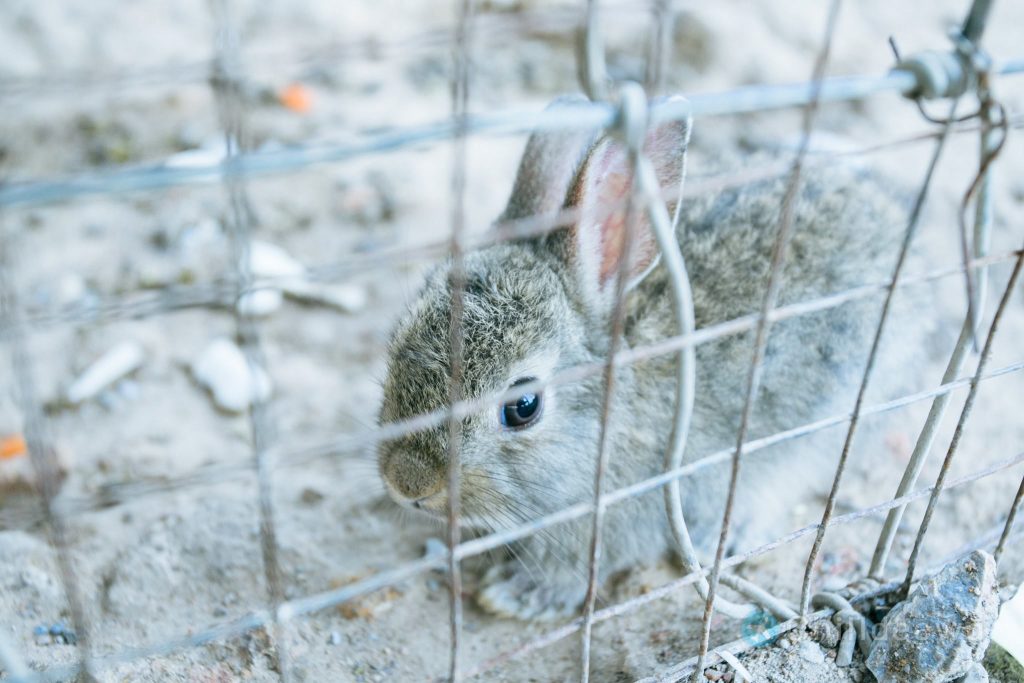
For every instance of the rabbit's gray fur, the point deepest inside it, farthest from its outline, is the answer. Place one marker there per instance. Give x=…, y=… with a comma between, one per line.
x=526, y=314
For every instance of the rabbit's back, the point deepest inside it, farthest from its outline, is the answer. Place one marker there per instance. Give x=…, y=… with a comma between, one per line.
x=845, y=231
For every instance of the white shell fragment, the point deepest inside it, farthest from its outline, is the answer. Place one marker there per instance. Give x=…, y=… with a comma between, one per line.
x=223, y=370
x=347, y=298
x=271, y=261
x=272, y=268
x=118, y=362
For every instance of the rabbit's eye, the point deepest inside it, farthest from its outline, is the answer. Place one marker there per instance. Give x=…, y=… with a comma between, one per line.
x=522, y=411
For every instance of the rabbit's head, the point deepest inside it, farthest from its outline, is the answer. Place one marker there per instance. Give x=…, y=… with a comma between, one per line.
x=531, y=309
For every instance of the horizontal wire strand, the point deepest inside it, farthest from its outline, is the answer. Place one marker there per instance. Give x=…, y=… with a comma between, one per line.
x=368, y=438
x=743, y=100
x=298, y=607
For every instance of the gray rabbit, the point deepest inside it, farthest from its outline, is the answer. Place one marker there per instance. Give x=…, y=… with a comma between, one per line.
x=538, y=306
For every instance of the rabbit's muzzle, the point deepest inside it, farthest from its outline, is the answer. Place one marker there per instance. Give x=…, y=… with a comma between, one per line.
x=414, y=482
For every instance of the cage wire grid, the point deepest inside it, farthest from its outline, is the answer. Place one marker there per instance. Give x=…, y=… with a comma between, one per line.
x=621, y=109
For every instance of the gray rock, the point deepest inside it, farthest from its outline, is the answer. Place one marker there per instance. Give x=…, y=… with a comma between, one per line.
x=942, y=630
x=976, y=675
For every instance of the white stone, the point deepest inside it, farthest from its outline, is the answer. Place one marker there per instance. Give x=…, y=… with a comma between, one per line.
x=118, y=362
x=224, y=371
x=271, y=261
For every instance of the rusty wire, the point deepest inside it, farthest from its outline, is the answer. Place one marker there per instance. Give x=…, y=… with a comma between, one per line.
x=219, y=294
x=968, y=333
x=223, y=472
x=633, y=127
x=908, y=236
x=772, y=287
x=312, y=603
x=41, y=449
x=457, y=284
x=954, y=443
x=1010, y=519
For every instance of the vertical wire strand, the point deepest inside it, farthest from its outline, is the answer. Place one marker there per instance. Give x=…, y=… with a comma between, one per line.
x=964, y=343
x=41, y=452
x=773, y=285
x=908, y=237
x=1010, y=519
x=634, y=126
x=228, y=82
x=590, y=57
x=660, y=55
x=457, y=278
x=965, y=413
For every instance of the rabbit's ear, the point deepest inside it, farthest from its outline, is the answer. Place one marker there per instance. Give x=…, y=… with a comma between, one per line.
x=600, y=193
x=548, y=166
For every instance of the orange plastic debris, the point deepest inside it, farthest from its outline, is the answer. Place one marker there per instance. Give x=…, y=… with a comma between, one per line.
x=12, y=446
x=297, y=97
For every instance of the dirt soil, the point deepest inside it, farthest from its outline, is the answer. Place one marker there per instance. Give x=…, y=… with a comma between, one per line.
x=89, y=86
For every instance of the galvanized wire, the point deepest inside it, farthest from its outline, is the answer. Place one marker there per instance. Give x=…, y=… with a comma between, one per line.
x=663, y=21
x=368, y=438
x=593, y=115
x=41, y=449
x=226, y=81
x=313, y=603
x=772, y=287
x=632, y=129
x=672, y=587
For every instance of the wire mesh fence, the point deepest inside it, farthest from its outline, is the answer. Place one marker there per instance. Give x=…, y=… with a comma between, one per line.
x=621, y=109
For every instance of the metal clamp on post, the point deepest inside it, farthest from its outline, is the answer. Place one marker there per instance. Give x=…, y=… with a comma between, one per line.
x=951, y=74
x=938, y=74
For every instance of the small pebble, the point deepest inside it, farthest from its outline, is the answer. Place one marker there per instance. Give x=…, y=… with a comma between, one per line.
x=825, y=632
x=219, y=612
x=335, y=638
x=810, y=651
x=222, y=368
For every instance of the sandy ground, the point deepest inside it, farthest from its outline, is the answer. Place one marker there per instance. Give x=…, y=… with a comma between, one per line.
x=155, y=562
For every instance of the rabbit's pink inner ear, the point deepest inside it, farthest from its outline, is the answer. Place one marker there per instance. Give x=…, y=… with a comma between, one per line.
x=602, y=196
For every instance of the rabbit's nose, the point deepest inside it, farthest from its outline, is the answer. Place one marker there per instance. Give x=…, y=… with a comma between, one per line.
x=428, y=502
